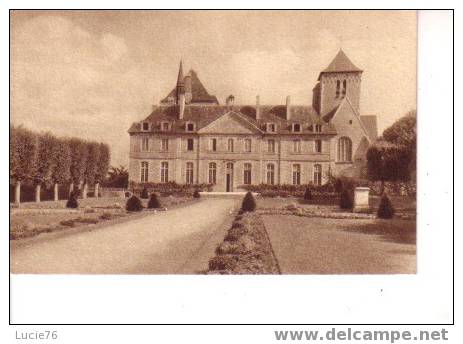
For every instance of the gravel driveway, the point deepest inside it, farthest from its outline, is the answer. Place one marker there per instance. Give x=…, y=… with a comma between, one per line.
x=180, y=240
x=331, y=246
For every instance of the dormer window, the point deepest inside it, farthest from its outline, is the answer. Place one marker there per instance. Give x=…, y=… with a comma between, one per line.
x=318, y=128
x=165, y=126
x=145, y=126
x=190, y=127
x=271, y=127
x=296, y=128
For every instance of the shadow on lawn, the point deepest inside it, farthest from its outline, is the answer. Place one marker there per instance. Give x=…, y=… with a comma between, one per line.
x=396, y=231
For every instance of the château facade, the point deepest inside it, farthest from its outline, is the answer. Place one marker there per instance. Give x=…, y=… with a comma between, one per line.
x=191, y=138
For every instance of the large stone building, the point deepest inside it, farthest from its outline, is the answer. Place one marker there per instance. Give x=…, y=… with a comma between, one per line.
x=191, y=138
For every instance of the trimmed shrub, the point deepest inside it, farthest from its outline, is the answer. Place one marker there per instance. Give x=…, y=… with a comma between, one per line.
x=196, y=194
x=72, y=201
x=385, y=209
x=134, y=204
x=249, y=203
x=144, y=193
x=154, y=202
x=346, y=200
x=308, y=194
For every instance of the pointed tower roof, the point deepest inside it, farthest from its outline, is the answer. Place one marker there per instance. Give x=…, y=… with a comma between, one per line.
x=198, y=92
x=180, y=75
x=340, y=64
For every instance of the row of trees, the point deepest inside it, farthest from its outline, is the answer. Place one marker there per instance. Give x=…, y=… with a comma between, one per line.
x=44, y=159
x=393, y=157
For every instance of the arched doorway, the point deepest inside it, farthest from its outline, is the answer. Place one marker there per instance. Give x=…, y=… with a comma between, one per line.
x=229, y=177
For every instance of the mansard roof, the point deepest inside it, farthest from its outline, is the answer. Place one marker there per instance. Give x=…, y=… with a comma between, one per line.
x=203, y=115
x=340, y=64
x=192, y=84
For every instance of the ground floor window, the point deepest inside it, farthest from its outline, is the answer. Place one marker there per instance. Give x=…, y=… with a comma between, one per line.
x=144, y=172
x=317, y=174
x=247, y=173
x=270, y=174
x=189, y=173
x=212, y=173
x=296, y=174
x=164, y=172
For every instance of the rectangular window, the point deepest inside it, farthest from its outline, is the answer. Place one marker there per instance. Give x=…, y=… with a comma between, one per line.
x=145, y=126
x=230, y=145
x=247, y=145
x=145, y=143
x=296, y=146
x=296, y=127
x=317, y=175
x=296, y=174
x=318, y=146
x=190, y=144
x=213, y=145
x=165, y=145
x=190, y=127
x=164, y=172
x=271, y=174
x=144, y=172
x=318, y=128
x=271, y=128
x=189, y=173
x=271, y=146
x=165, y=126
x=247, y=174
x=212, y=173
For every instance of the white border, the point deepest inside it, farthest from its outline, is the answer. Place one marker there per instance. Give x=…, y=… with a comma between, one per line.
x=424, y=298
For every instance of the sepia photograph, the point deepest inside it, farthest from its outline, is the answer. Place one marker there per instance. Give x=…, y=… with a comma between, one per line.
x=213, y=142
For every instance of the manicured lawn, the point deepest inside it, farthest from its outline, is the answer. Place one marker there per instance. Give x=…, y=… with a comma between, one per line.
x=33, y=218
x=402, y=204
x=332, y=246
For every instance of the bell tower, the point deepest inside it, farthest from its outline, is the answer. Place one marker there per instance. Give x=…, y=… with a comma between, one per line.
x=339, y=80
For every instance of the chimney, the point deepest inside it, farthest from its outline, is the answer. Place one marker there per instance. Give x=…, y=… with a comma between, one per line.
x=230, y=100
x=181, y=103
x=288, y=107
x=257, y=107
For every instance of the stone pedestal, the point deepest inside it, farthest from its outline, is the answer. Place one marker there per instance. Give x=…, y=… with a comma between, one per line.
x=361, y=200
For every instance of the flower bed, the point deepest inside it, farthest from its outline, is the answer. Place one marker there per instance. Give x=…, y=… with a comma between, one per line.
x=246, y=249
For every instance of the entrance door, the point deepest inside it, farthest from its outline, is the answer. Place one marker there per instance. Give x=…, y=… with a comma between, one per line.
x=229, y=179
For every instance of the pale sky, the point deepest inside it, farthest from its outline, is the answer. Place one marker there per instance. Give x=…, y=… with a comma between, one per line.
x=92, y=73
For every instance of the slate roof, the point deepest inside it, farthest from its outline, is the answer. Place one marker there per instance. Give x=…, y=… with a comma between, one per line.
x=194, y=85
x=371, y=126
x=203, y=115
x=340, y=64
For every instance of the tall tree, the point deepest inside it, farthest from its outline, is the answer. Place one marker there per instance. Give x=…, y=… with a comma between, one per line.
x=44, y=163
x=23, y=157
x=403, y=134
x=61, y=166
x=79, y=153
x=91, y=166
x=102, y=166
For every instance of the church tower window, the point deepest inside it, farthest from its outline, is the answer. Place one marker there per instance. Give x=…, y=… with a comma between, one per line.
x=344, y=88
x=338, y=88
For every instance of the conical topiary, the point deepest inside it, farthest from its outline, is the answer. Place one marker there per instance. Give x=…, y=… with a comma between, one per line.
x=346, y=200
x=308, y=194
x=134, y=204
x=154, y=202
x=385, y=209
x=144, y=193
x=72, y=201
x=249, y=203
